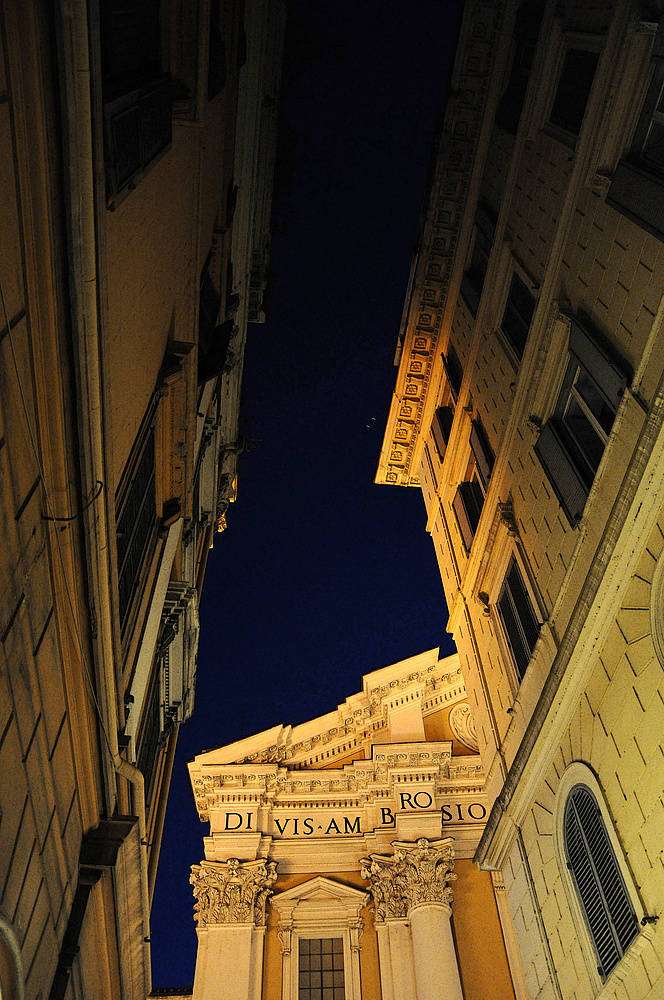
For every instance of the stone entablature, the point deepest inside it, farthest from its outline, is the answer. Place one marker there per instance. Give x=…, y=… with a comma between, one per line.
x=399, y=778
x=232, y=892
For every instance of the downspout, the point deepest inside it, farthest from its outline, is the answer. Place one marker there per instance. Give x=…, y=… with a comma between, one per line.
x=75, y=81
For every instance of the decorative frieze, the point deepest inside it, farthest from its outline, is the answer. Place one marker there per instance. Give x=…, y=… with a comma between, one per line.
x=232, y=892
x=415, y=874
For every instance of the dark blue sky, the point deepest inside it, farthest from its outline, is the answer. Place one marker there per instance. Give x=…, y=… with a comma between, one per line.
x=322, y=576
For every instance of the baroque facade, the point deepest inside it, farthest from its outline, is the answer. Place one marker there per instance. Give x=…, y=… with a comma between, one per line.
x=528, y=410
x=136, y=175
x=338, y=862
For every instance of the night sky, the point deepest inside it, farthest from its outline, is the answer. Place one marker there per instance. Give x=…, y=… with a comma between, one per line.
x=322, y=576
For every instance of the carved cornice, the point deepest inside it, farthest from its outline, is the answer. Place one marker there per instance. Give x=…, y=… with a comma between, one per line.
x=232, y=892
x=415, y=874
x=431, y=286
x=355, y=720
x=357, y=784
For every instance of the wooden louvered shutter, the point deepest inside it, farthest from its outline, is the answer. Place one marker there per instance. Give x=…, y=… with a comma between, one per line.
x=607, y=376
x=606, y=905
x=562, y=473
x=442, y=428
x=482, y=453
x=518, y=618
x=467, y=505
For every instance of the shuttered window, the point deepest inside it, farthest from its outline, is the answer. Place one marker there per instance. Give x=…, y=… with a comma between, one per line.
x=606, y=904
x=636, y=187
x=572, y=443
x=321, y=969
x=472, y=282
x=453, y=371
x=574, y=87
x=517, y=617
x=482, y=453
x=136, y=94
x=518, y=314
x=467, y=506
x=442, y=428
x=135, y=526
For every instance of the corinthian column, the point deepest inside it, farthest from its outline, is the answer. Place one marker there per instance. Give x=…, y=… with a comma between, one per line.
x=413, y=883
x=230, y=914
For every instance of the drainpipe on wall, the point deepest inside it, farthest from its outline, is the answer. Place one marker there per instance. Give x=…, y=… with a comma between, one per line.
x=75, y=82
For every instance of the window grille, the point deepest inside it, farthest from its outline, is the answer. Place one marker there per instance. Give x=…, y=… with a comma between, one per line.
x=605, y=902
x=518, y=619
x=321, y=969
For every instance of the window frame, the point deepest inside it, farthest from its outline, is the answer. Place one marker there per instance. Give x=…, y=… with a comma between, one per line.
x=468, y=500
x=516, y=270
x=567, y=469
x=482, y=242
x=320, y=908
x=516, y=674
x=558, y=42
x=636, y=185
x=579, y=773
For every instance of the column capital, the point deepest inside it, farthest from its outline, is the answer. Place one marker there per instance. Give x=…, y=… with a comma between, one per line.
x=416, y=873
x=232, y=892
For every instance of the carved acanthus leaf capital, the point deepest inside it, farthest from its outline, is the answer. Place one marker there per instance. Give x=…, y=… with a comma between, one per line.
x=414, y=874
x=232, y=892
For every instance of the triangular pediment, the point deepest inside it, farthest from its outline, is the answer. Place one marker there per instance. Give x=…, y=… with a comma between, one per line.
x=349, y=732
x=323, y=889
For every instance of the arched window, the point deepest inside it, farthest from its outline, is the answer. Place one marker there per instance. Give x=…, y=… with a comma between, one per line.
x=591, y=859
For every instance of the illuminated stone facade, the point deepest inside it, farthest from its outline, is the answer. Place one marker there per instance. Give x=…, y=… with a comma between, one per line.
x=357, y=828
x=126, y=287
x=528, y=409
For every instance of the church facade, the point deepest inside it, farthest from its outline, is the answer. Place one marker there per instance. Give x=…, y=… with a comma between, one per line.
x=339, y=859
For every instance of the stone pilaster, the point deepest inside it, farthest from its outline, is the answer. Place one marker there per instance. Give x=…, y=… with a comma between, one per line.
x=230, y=916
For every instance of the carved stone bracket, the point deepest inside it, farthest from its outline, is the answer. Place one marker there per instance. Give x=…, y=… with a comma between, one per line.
x=414, y=874
x=232, y=892
x=508, y=517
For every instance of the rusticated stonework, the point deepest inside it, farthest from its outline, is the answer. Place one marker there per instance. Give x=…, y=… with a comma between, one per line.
x=414, y=874
x=232, y=892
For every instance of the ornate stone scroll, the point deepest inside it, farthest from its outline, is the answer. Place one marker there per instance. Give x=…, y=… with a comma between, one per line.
x=414, y=874
x=232, y=892
x=463, y=725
